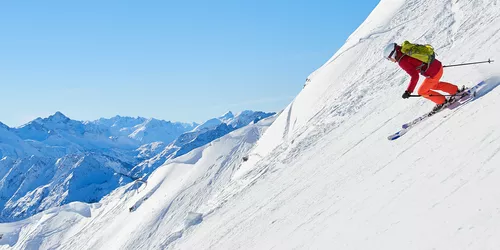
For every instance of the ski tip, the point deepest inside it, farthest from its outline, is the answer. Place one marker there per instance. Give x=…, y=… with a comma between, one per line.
x=393, y=137
x=397, y=135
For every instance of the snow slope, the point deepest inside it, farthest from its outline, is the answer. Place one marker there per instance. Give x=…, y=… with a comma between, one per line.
x=34, y=184
x=52, y=161
x=177, y=196
x=323, y=175
x=333, y=181
x=200, y=136
x=13, y=146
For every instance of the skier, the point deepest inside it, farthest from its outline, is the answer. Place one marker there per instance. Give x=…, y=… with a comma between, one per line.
x=432, y=70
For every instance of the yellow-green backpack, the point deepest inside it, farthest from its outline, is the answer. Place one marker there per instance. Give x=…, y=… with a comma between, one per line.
x=424, y=53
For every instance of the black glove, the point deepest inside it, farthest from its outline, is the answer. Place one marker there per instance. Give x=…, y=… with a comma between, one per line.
x=406, y=95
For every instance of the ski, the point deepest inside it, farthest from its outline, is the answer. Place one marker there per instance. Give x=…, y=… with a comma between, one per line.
x=470, y=96
x=408, y=126
x=467, y=96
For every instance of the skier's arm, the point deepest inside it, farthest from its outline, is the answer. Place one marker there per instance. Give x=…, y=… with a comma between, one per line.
x=412, y=71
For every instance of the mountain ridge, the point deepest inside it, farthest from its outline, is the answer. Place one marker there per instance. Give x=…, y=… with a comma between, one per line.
x=51, y=161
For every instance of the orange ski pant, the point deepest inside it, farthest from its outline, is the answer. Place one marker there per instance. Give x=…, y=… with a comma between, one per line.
x=434, y=83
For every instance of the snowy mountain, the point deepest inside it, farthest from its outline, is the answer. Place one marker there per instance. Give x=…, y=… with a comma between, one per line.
x=200, y=136
x=194, y=178
x=70, y=136
x=143, y=130
x=324, y=175
x=148, y=151
x=214, y=122
x=13, y=146
x=154, y=130
x=35, y=184
x=119, y=136
x=53, y=161
x=121, y=132
x=119, y=125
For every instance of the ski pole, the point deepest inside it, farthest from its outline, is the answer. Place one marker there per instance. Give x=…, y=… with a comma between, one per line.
x=461, y=94
x=463, y=64
x=429, y=95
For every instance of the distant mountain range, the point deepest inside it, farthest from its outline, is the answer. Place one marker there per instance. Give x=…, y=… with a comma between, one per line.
x=52, y=161
x=201, y=135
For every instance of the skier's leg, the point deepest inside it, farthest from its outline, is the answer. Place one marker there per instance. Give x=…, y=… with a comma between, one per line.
x=427, y=85
x=446, y=87
x=435, y=97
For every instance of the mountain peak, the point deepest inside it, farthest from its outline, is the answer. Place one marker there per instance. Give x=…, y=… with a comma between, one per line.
x=228, y=115
x=58, y=116
x=4, y=126
x=246, y=112
x=118, y=117
x=152, y=122
x=119, y=121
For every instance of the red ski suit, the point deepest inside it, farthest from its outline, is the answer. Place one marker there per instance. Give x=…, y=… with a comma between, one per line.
x=433, y=74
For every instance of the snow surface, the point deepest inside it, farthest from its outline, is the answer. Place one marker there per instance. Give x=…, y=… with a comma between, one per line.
x=53, y=161
x=200, y=136
x=323, y=175
x=189, y=185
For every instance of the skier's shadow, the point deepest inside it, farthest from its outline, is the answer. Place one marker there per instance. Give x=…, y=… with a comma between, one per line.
x=489, y=85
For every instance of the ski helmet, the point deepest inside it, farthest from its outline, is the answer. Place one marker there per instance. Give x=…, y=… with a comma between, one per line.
x=390, y=51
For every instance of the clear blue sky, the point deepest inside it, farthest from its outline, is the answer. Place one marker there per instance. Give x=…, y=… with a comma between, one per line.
x=174, y=60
